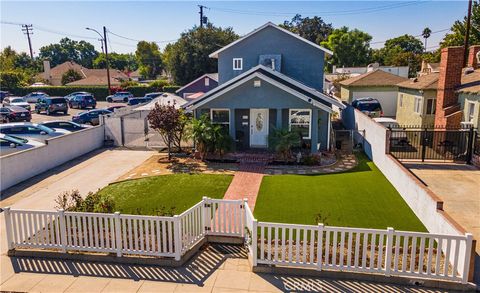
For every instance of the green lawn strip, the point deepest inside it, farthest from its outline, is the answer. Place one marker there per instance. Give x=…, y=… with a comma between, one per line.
x=166, y=193
x=361, y=197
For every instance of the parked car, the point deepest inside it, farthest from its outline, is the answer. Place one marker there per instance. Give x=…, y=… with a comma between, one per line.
x=119, y=97
x=3, y=95
x=16, y=101
x=14, y=114
x=112, y=108
x=12, y=144
x=74, y=94
x=91, y=117
x=369, y=106
x=153, y=95
x=136, y=101
x=398, y=135
x=33, y=97
x=31, y=130
x=51, y=105
x=82, y=102
x=67, y=125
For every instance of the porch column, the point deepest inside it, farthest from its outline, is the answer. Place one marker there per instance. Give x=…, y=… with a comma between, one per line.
x=231, y=128
x=278, y=123
x=314, y=131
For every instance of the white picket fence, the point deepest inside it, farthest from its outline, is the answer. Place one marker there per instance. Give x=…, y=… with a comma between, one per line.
x=388, y=252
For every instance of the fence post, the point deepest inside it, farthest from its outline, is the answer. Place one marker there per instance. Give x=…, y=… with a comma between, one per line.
x=388, y=251
x=207, y=210
x=470, y=146
x=177, y=231
x=244, y=215
x=424, y=140
x=63, y=229
x=254, y=242
x=468, y=254
x=8, y=224
x=118, y=234
x=321, y=228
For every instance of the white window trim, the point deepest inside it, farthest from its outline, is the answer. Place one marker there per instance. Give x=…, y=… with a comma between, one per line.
x=420, y=104
x=309, y=124
x=472, y=105
x=220, y=109
x=207, y=81
x=241, y=64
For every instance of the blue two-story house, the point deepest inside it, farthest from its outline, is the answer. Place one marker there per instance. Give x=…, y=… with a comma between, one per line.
x=270, y=78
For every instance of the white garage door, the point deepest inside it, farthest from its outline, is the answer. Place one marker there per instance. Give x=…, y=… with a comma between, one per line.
x=388, y=100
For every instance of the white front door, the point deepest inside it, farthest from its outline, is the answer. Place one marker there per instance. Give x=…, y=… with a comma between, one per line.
x=258, y=128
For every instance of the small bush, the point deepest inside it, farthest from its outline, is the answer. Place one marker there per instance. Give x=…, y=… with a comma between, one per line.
x=72, y=201
x=311, y=160
x=171, y=88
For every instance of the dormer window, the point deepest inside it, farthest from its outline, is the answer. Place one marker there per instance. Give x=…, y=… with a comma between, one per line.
x=207, y=81
x=237, y=63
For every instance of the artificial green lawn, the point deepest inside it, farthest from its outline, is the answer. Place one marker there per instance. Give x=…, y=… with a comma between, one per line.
x=362, y=197
x=158, y=195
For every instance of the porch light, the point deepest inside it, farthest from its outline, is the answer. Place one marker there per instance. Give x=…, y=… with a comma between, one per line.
x=257, y=83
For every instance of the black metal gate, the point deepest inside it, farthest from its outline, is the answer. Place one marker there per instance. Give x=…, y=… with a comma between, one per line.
x=432, y=144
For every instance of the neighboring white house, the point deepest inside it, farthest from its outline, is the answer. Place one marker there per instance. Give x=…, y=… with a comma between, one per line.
x=353, y=71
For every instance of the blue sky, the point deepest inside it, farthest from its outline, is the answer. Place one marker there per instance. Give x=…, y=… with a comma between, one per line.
x=161, y=21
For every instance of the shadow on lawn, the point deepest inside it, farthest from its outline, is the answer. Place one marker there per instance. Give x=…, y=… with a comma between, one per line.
x=362, y=164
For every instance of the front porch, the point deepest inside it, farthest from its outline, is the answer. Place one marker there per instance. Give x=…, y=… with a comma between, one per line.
x=251, y=127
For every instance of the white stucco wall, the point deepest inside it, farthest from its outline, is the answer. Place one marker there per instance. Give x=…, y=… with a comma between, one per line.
x=23, y=165
x=388, y=100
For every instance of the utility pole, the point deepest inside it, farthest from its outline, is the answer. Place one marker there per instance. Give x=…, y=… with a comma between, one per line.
x=101, y=45
x=28, y=30
x=467, y=33
x=106, y=58
x=201, y=14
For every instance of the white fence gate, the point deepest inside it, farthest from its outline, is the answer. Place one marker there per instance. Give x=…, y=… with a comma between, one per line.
x=388, y=252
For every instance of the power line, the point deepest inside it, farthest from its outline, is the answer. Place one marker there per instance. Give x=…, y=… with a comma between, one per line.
x=439, y=31
x=136, y=40
x=330, y=13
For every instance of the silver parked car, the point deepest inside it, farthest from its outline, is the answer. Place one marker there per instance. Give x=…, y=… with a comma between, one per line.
x=31, y=131
x=119, y=97
x=16, y=101
x=33, y=97
x=12, y=144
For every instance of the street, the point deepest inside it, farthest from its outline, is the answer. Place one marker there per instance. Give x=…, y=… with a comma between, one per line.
x=38, y=118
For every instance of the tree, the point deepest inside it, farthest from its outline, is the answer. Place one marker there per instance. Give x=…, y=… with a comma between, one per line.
x=459, y=28
x=17, y=69
x=11, y=79
x=169, y=122
x=70, y=75
x=124, y=62
x=80, y=52
x=313, y=29
x=350, y=47
x=426, y=34
x=405, y=50
x=188, y=59
x=149, y=59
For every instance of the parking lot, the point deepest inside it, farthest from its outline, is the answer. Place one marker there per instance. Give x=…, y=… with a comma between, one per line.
x=37, y=118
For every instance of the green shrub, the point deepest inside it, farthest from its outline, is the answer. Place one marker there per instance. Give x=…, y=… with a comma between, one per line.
x=160, y=84
x=11, y=79
x=171, y=88
x=311, y=160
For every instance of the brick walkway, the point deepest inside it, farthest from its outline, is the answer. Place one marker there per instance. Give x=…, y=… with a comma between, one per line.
x=246, y=182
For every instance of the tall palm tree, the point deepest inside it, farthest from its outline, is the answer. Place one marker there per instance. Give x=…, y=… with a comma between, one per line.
x=426, y=34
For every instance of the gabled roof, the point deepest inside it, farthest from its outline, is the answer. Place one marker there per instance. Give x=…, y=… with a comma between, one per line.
x=213, y=76
x=375, y=77
x=269, y=24
x=274, y=77
x=423, y=82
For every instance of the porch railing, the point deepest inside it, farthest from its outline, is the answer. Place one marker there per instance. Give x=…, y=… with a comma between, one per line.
x=388, y=252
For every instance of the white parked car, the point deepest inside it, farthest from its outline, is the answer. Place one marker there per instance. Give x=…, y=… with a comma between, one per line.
x=399, y=136
x=16, y=101
x=31, y=131
x=33, y=97
x=119, y=97
x=12, y=144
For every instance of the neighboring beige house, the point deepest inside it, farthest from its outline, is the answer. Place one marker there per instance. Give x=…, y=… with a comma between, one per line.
x=416, y=101
x=376, y=84
x=469, y=98
x=90, y=77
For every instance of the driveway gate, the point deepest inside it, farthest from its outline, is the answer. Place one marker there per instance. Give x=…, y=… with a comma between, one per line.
x=432, y=144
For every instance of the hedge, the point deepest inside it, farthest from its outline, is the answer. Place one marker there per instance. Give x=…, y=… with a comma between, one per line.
x=99, y=92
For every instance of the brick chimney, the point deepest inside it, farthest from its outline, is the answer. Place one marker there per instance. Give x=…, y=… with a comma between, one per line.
x=472, y=60
x=448, y=110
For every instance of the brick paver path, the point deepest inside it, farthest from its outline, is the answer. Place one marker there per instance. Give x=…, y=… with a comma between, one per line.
x=246, y=182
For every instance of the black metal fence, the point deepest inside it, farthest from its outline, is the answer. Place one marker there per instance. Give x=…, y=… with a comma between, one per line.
x=433, y=144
